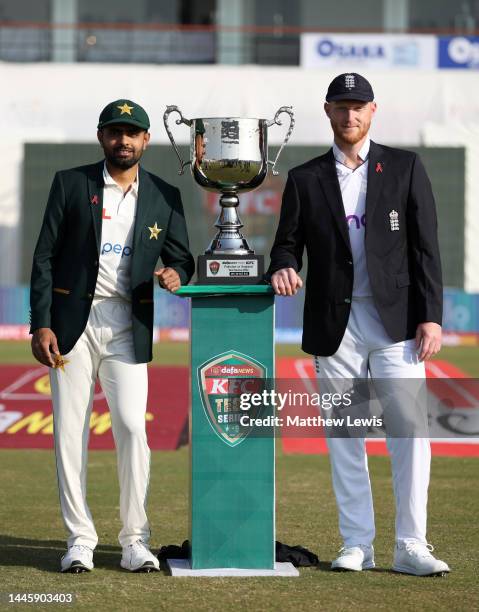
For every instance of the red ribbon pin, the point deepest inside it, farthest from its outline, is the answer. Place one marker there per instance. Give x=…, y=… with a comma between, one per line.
x=94, y=199
x=379, y=167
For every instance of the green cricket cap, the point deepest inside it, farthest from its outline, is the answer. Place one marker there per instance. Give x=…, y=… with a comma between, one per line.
x=124, y=111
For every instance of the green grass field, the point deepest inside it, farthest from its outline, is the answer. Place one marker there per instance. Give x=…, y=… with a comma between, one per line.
x=176, y=353
x=32, y=532
x=32, y=540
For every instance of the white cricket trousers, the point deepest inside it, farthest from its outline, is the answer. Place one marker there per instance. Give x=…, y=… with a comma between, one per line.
x=104, y=350
x=366, y=348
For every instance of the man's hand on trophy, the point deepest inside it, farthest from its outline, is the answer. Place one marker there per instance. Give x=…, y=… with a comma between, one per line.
x=169, y=279
x=286, y=282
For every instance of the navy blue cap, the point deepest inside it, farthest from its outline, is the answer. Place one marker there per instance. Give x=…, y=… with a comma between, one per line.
x=350, y=86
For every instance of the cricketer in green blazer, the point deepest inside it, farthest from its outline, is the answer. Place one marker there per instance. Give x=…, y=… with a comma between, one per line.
x=65, y=262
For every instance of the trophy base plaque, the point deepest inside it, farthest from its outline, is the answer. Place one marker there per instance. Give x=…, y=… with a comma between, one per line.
x=222, y=269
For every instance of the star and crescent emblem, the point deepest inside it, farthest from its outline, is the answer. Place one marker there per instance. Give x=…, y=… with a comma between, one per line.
x=125, y=109
x=154, y=231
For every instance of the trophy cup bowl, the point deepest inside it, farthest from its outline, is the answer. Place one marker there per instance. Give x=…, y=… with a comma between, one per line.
x=229, y=155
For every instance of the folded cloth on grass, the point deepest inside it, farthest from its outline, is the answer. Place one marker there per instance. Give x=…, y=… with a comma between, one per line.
x=297, y=555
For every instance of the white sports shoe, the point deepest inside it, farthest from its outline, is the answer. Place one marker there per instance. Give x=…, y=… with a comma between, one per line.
x=415, y=558
x=354, y=558
x=77, y=559
x=137, y=557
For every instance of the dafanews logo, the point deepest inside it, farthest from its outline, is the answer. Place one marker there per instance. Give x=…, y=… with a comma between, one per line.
x=221, y=381
x=116, y=249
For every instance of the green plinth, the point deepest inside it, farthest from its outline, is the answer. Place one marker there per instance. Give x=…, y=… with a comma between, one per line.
x=232, y=466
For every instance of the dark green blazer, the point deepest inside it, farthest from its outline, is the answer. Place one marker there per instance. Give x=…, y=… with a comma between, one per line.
x=65, y=262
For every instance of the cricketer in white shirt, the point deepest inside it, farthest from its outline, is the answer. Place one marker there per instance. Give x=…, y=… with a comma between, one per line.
x=119, y=211
x=353, y=184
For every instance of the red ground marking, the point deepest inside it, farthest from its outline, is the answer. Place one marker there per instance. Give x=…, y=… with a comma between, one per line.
x=439, y=374
x=26, y=421
x=26, y=412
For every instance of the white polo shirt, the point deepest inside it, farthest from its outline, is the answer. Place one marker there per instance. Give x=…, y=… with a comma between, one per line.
x=119, y=211
x=353, y=184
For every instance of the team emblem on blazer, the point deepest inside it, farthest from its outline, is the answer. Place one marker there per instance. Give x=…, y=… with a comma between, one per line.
x=394, y=220
x=154, y=231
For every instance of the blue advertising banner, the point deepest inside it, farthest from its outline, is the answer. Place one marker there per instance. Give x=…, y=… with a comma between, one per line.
x=461, y=311
x=346, y=51
x=458, y=52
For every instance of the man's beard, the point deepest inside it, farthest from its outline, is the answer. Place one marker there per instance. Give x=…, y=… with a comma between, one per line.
x=351, y=138
x=123, y=163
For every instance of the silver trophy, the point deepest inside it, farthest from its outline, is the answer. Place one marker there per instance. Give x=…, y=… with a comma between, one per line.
x=229, y=155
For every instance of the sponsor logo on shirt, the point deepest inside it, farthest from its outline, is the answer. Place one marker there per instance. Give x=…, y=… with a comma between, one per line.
x=355, y=222
x=116, y=249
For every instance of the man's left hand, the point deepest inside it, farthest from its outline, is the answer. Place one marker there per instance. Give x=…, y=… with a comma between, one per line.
x=169, y=279
x=428, y=339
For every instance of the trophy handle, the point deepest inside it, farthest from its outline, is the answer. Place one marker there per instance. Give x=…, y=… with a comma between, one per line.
x=175, y=109
x=289, y=111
